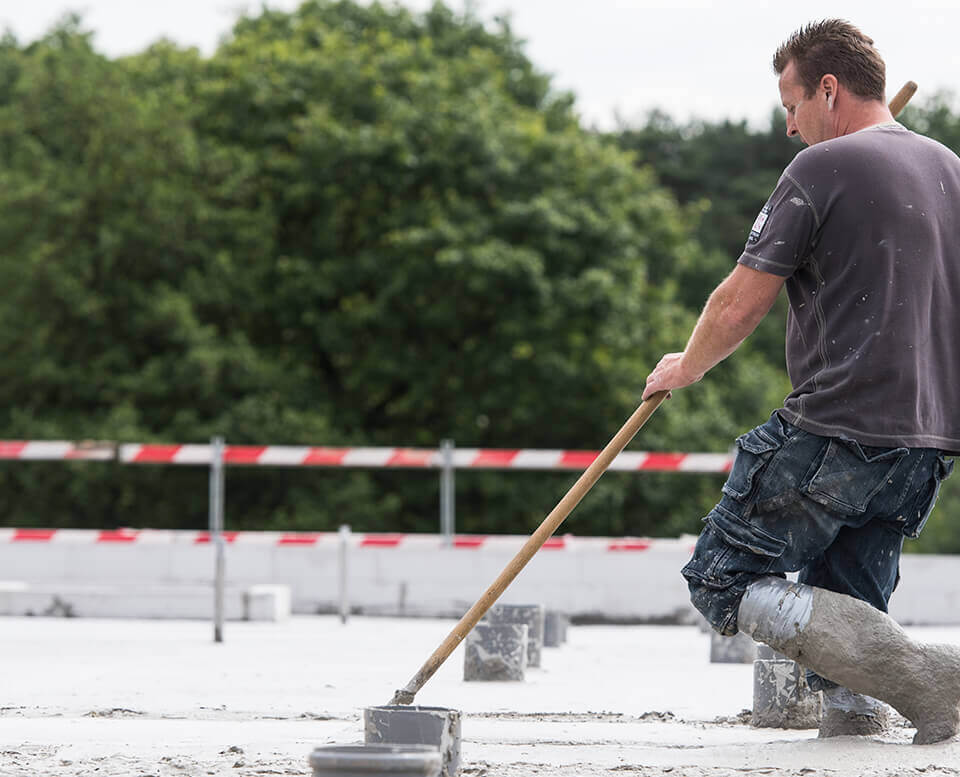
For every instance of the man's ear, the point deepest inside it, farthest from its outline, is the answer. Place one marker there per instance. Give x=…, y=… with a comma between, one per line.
x=828, y=83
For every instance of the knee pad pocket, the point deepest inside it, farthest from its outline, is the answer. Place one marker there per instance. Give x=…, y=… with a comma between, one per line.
x=744, y=535
x=732, y=550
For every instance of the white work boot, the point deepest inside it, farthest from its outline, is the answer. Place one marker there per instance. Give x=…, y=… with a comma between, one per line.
x=845, y=713
x=859, y=647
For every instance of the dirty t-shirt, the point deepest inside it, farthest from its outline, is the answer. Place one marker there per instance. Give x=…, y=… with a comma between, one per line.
x=866, y=229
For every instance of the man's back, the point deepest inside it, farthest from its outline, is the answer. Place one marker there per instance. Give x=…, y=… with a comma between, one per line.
x=867, y=228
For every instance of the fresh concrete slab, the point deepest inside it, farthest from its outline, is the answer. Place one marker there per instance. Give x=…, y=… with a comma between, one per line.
x=138, y=697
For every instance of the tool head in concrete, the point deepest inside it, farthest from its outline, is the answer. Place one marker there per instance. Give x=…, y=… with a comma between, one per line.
x=402, y=696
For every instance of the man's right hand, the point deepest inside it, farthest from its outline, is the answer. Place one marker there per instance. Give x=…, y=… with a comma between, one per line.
x=669, y=374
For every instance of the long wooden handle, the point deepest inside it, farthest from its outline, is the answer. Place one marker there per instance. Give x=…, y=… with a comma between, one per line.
x=901, y=98
x=577, y=491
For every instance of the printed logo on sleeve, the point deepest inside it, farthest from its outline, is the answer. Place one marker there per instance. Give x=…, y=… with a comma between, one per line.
x=757, y=227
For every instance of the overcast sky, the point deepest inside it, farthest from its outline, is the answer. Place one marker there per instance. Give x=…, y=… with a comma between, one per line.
x=619, y=57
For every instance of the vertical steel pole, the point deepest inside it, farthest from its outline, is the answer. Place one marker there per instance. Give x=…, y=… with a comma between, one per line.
x=344, y=593
x=447, y=517
x=216, y=532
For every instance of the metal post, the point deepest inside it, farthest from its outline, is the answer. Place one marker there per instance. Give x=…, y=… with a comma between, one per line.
x=344, y=594
x=216, y=532
x=447, y=516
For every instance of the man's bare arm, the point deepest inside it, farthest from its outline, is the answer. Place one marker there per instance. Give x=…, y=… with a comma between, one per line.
x=733, y=311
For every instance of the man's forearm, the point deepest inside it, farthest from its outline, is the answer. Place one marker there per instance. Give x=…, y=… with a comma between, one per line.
x=733, y=311
x=724, y=323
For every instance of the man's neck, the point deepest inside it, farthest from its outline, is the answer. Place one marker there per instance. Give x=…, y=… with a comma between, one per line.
x=865, y=114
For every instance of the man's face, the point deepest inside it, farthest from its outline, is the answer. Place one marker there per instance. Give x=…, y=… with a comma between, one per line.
x=808, y=117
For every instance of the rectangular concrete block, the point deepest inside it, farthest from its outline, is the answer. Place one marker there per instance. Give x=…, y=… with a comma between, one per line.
x=132, y=600
x=266, y=602
x=738, y=649
x=555, y=625
x=532, y=615
x=113, y=562
x=496, y=652
x=781, y=696
x=437, y=727
x=9, y=590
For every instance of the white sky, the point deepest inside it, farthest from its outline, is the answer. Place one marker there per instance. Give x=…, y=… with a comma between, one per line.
x=626, y=57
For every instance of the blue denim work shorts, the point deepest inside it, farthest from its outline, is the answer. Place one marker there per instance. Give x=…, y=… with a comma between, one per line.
x=829, y=508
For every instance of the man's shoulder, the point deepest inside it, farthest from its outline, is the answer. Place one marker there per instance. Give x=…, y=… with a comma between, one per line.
x=867, y=147
x=831, y=152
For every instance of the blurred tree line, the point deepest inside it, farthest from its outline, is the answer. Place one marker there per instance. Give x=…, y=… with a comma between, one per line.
x=357, y=225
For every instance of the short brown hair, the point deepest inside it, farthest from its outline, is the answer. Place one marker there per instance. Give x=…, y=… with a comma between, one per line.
x=834, y=46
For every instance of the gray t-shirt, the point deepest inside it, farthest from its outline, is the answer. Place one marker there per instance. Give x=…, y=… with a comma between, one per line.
x=866, y=229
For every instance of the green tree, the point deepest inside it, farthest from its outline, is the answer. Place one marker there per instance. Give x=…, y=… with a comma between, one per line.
x=723, y=173
x=351, y=225
x=457, y=257
x=938, y=117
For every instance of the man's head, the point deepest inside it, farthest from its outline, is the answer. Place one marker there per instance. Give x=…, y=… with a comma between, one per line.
x=830, y=77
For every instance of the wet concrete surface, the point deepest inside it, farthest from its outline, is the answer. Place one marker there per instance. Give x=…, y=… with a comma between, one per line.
x=83, y=697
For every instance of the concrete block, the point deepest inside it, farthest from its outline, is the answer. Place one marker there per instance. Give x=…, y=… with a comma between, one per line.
x=68, y=598
x=266, y=602
x=530, y=614
x=32, y=562
x=781, y=696
x=555, y=628
x=437, y=727
x=114, y=563
x=738, y=649
x=496, y=652
x=10, y=591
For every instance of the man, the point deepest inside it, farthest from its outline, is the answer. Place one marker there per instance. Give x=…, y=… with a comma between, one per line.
x=864, y=230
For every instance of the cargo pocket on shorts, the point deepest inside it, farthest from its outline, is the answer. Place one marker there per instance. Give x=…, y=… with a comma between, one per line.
x=941, y=471
x=850, y=475
x=730, y=548
x=754, y=451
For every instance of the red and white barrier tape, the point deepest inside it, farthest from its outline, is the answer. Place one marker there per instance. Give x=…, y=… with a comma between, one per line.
x=567, y=542
x=410, y=458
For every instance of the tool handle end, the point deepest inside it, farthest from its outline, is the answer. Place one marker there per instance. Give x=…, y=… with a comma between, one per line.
x=901, y=98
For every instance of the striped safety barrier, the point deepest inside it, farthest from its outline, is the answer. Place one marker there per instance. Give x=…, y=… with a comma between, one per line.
x=401, y=458
x=565, y=542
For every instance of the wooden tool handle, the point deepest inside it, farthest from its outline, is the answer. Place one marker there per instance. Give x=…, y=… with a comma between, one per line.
x=577, y=491
x=901, y=98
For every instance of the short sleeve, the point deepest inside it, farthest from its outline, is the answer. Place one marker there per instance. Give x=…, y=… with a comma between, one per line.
x=782, y=237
